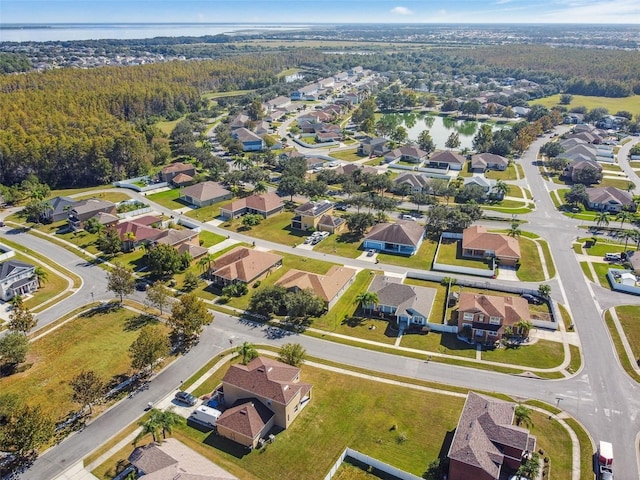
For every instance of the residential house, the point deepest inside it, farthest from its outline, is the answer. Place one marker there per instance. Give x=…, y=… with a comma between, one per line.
x=332, y=224
x=486, y=441
x=249, y=140
x=308, y=216
x=182, y=180
x=403, y=237
x=447, y=160
x=262, y=394
x=277, y=103
x=610, y=199
x=478, y=243
x=349, y=168
x=574, y=168
x=17, y=278
x=59, y=210
x=326, y=82
x=329, y=286
x=417, y=182
x=171, y=171
x=410, y=305
x=373, y=146
x=352, y=97
x=480, y=162
x=331, y=136
x=633, y=258
x=85, y=209
x=244, y=265
x=314, y=162
x=486, y=317
x=265, y=204
x=204, y=194
x=134, y=233
x=308, y=92
x=578, y=152
x=239, y=121
x=574, y=118
x=105, y=219
x=406, y=153
x=487, y=185
x=171, y=459
x=262, y=128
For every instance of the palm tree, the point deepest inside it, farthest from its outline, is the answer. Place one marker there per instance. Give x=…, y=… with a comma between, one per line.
x=166, y=420
x=624, y=216
x=368, y=300
x=602, y=218
x=522, y=416
x=260, y=187
x=501, y=188
x=514, y=231
x=524, y=327
x=628, y=235
x=205, y=262
x=247, y=351
x=41, y=275
x=151, y=426
x=241, y=162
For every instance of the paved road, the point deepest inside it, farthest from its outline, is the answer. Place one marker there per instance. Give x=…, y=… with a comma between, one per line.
x=601, y=395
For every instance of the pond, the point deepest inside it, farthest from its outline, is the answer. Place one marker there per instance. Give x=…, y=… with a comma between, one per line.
x=439, y=127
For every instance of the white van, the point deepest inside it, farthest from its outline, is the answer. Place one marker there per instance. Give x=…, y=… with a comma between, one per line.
x=207, y=415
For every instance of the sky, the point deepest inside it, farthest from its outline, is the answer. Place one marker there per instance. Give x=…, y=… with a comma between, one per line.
x=323, y=11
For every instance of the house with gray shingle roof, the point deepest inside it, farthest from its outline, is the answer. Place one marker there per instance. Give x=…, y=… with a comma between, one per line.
x=403, y=237
x=610, y=199
x=447, y=160
x=486, y=440
x=16, y=278
x=410, y=305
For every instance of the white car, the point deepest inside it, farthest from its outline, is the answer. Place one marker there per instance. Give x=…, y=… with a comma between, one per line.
x=408, y=217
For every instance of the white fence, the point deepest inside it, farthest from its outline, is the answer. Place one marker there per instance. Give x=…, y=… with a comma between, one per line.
x=402, y=167
x=445, y=267
x=619, y=287
x=134, y=213
x=130, y=183
x=367, y=460
x=441, y=327
x=186, y=222
x=6, y=252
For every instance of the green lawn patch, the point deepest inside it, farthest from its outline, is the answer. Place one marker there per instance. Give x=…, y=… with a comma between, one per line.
x=601, y=270
x=542, y=354
x=204, y=214
x=510, y=210
x=505, y=175
x=446, y=343
x=617, y=343
x=631, y=104
x=230, y=93
x=587, y=271
x=98, y=341
x=601, y=247
x=114, y=197
x=530, y=269
x=54, y=284
x=450, y=253
x=167, y=127
x=168, y=199
x=586, y=449
x=421, y=260
x=350, y=155
x=209, y=239
x=515, y=191
x=551, y=437
x=344, y=244
x=566, y=318
x=576, y=360
x=276, y=228
x=629, y=316
x=620, y=183
x=546, y=251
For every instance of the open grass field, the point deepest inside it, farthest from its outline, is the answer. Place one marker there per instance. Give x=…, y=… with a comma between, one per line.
x=350, y=155
x=630, y=104
x=620, y=183
x=542, y=354
x=230, y=93
x=437, y=342
x=98, y=341
x=629, y=316
x=168, y=126
x=530, y=265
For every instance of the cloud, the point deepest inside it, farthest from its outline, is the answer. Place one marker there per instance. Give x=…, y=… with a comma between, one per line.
x=401, y=11
x=502, y=2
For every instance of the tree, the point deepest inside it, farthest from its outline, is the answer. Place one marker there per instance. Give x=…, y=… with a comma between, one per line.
x=483, y=139
x=368, y=300
x=421, y=198
x=93, y=225
x=524, y=327
x=14, y=347
x=624, y=216
x=399, y=134
x=290, y=185
x=566, y=98
x=21, y=319
x=158, y=296
x=514, y=230
x=27, y=430
x=268, y=300
x=522, y=415
x=87, y=389
x=260, y=187
x=577, y=195
x=166, y=420
x=315, y=188
x=544, y=290
x=150, y=346
x=425, y=141
x=453, y=141
x=435, y=471
x=149, y=426
x=552, y=149
x=109, y=242
x=303, y=304
x=189, y=316
x=588, y=175
x=120, y=281
x=206, y=261
x=191, y=282
x=36, y=210
x=247, y=352
x=403, y=189
x=471, y=193
x=358, y=223
x=602, y=218
x=163, y=259
x=292, y=354
x=41, y=275
x=500, y=188
x=531, y=466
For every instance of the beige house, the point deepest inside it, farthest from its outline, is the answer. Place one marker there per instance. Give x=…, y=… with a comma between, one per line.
x=329, y=286
x=308, y=216
x=260, y=395
x=204, y=194
x=244, y=265
x=478, y=243
x=265, y=204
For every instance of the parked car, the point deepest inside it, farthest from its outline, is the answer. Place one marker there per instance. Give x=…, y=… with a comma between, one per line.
x=186, y=398
x=408, y=217
x=371, y=252
x=342, y=207
x=532, y=298
x=142, y=286
x=612, y=257
x=307, y=240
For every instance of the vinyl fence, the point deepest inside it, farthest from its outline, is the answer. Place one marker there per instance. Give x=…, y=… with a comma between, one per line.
x=620, y=287
x=445, y=267
x=6, y=252
x=130, y=183
x=367, y=460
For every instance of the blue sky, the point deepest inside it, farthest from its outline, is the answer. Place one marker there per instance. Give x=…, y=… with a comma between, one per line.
x=314, y=11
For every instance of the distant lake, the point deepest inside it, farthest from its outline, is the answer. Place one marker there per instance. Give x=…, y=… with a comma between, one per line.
x=125, y=31
x=439, y=127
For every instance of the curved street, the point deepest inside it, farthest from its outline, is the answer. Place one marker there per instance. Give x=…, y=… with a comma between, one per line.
x=601, y=395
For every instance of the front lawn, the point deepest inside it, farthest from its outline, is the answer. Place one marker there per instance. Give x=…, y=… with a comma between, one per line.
x=204, y=214
x=505, y=175
x=450, y=253
x=209, y=239
x=628, y=316
x=52, y=286
x=97, y=341
x=601, y=270
x=622, y=184
x=114, y=197
x=168, y=199
x=542, y=354
x=530, y=269
x=350, y=155
x=344, y=244
x=447, y=343
x=438, y=307
x=422, y=260
x=276, y=228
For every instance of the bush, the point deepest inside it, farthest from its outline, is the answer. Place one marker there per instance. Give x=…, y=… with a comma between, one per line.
x=256, y=284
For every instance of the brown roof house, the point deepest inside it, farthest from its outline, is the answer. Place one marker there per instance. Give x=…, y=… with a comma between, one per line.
x=263, y=394
x=486, y=441
x=406, y=153
x=171, y=171
x=410, y=305
x=403, y=237
x=447, y=160
x=610, y=199
x=182, y=180
x=483, y=318
x=478, y=243
x=265, y=204
x=173, y=460
x=85, y=209
x=480, y=162
x=329, y=286
x=242, y=264
x=205, y=193
x=575, y=168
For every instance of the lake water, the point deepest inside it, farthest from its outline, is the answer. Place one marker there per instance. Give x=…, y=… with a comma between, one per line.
x=439, y=127
x=95, y=31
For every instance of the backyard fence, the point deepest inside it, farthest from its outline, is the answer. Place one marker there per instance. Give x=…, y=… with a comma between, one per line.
x=6, y=252
x=445, y=267
x=372, y=462
x=130, y=183
x=621, y=287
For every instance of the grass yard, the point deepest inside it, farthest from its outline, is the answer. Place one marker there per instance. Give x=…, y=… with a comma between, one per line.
x=209, y=239
x=629, y=316
x=437, y=309
x=350, y=155
x=52, y=286
x=519, y=209
x=98, y=341
x=601, y=270
x=204, y=214
x=345, y=245
x=439, y=343
x=620, y=183
x=450, y=253
x=114, y=197
x=556, y=443
x=231, y=93
x=530, y=269
x=421, y=260
x=168, y=126
x=505, y=175
x=631, y=104
x=551, y=267
x=168, y=199
x=620, y=350
x=65, y=192
x=542, y=354
x=586, y=271
x=601, y=247
x=515, y=191
x=276, y=228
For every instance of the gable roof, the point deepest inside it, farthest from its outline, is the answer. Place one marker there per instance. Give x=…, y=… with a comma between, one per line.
x=447, y=156
x=9, y=267
x=247, y=416
x=173, y=237
x=267, y=378
x=400, y=233
x=413, y=179
x=476, y=237
x=331, y=221
x=59, y=205
x=205, y=191
x=325, y=286
x=244, y=264
x=92, y=205
x=178, y=167
x=140, y=231
x=510, y=309
x=349, y=168
x=262, y=202
x=481, y=160
x=182, y=178
x=194, y=251
x=610, y=195
x=582, y=163
x=407, y=151
x=246, y=136
x=105, y=218
x=485, y=425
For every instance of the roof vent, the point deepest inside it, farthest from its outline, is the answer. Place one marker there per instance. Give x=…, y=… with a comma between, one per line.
x=261, y=370
x=269, y=369
x=243, y=412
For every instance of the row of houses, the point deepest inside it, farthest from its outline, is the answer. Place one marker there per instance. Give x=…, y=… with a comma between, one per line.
x=313, y=90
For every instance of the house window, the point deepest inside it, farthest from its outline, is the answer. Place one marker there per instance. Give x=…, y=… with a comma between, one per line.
x=492, y=334
x=467, y=316
x=481, y=318
x=494, y=320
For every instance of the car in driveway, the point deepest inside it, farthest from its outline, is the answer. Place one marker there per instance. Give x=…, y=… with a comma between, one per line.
x=371, y=252
x=186, y=398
